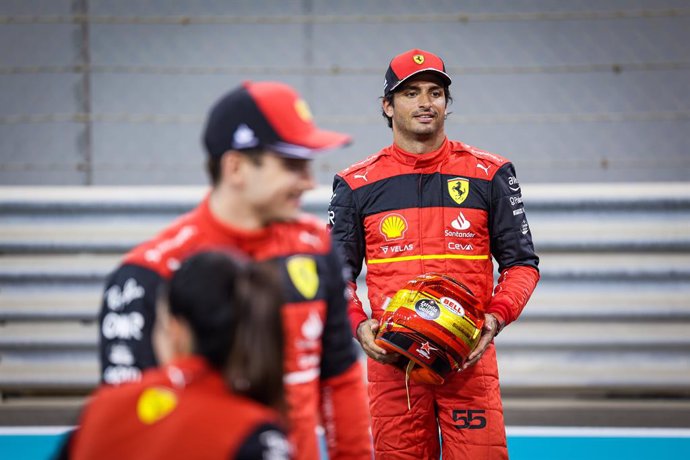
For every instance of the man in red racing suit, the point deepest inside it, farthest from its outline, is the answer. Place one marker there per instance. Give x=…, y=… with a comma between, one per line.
x=428, y=204
x=259, y=138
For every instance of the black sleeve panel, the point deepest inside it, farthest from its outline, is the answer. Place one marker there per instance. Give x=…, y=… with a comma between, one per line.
x=268, y=441
x=339, y=352
x=346, y=227
x=511, y=239
x=126, y=322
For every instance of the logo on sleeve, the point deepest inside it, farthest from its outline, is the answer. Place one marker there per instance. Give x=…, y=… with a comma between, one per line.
x=513, y=184
x=458, y=188
x=304, y=276
x=275, y=445
x=117, y=298
x=155, y=403
x=393, y=227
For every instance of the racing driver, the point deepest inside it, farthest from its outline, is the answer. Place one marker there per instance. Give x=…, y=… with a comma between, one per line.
x=259, y=139
x=430, y=204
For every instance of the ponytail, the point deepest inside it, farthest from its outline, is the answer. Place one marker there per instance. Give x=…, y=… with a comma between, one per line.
x=233, y=308
x=255, y=363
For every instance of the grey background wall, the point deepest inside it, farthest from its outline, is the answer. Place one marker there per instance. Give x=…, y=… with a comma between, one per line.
x=114, y=92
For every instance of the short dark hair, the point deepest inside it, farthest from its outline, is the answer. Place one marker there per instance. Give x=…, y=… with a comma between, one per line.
x=233, y=308
x=213, y=162
x=389, y=98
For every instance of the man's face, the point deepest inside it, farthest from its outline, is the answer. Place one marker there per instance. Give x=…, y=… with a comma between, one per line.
x=275, y=186
x=419, y=107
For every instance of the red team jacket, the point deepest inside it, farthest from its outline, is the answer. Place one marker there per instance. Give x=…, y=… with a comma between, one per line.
x=448, y=211
x=181, y=411
x=322, y=374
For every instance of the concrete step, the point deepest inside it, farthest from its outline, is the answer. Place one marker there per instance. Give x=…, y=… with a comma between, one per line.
x=554, y=267
x=595, y=372
x=521, y=335
x=609, y=302
x=604, y=267
x=50, y=304
x=121, y=246
x=596, y=412
x=518, y=412
x=94, y=232
x=542, y=373
x=59, y=377
x=589, y=226
x=628, y=302
x=579, y=335
x=539, y=197
x=56, y=268
x=47, y=336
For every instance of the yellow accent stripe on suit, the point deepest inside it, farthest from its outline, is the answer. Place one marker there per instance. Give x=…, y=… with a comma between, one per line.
x=427, y=257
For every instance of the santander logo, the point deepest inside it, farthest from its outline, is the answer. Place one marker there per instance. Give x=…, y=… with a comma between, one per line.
x=460, y=223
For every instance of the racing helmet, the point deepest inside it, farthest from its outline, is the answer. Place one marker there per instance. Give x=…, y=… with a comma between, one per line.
x=435, y=322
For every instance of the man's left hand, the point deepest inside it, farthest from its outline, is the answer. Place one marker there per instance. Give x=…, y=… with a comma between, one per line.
x=489, y=331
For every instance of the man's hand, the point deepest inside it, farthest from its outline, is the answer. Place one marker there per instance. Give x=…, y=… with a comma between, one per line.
x=489, y=331
x=366, y=332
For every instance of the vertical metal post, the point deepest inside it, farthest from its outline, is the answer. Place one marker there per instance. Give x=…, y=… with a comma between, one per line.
x=81, y=12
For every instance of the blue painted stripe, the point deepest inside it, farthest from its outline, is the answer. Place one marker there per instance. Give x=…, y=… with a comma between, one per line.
x=524, y=443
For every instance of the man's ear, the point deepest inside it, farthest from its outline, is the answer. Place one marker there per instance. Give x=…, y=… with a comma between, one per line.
x=232, y=165
x=387, y=107
x=181, y=336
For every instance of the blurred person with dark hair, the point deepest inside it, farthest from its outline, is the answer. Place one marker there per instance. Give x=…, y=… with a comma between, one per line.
x=260, y=139
x=218, y=392
x=429, y=204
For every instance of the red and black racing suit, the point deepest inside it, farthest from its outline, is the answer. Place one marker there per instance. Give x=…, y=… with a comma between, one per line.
x=324, y=382
x=181, y=411
x=446, y=211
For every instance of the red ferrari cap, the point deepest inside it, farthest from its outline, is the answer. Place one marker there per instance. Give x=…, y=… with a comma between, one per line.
x=268, y=115
x=410, y=63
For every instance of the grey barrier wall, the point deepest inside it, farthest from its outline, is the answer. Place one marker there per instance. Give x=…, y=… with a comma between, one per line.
x=115, y=92
x=603, y=341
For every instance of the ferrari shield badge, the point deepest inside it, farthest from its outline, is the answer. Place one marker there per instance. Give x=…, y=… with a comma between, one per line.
x=155, y=403
x=418, y=59
x=304, y=276
x=458, y=188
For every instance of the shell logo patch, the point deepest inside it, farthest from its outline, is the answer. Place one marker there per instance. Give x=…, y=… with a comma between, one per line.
x=303, y=111
x=393, y=227
x=418, y=59
x=304, y=276
x=155, y=403
x=458, y=188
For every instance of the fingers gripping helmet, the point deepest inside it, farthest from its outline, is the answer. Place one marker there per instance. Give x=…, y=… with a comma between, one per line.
x=435, y=322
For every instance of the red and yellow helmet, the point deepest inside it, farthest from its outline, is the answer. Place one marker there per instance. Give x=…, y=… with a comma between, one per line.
x=435, y=322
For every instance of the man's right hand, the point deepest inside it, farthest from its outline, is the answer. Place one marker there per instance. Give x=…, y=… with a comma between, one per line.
x=366, y=333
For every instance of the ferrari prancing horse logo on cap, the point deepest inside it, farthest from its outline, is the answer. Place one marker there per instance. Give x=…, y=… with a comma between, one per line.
x=458, y=188
x=418, y=59
x=302, y=109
